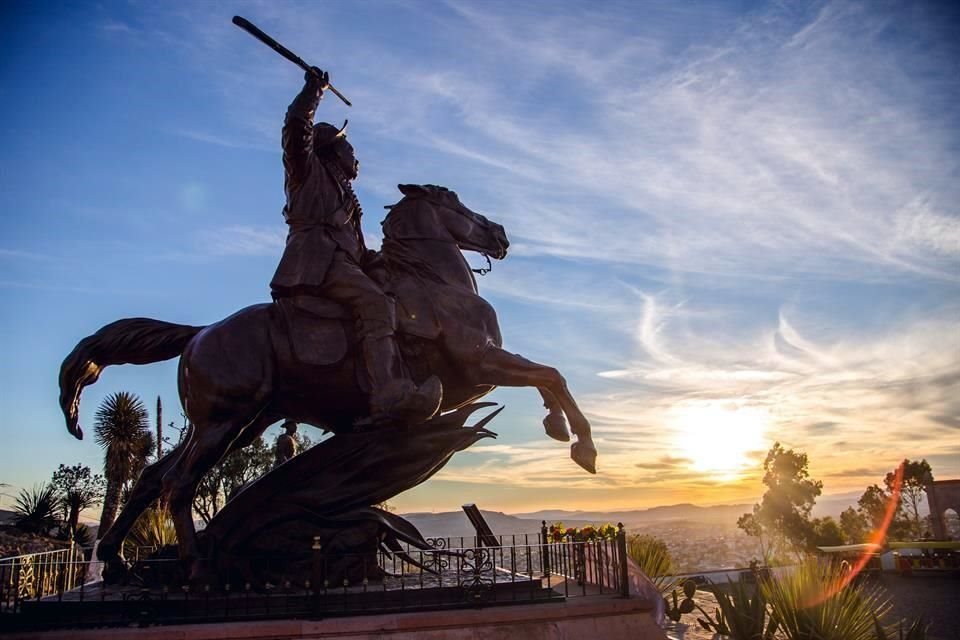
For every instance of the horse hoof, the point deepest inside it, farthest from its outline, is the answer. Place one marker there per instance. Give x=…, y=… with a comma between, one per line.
x=584, y=455
x=555, y=424
x=115, y=571
x=201, y=573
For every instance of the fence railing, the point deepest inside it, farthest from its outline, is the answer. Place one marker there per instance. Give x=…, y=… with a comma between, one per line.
x=38, y=575
x=454, y=573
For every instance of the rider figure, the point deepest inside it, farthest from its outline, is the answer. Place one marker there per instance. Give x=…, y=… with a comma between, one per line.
x=286, y=446
x=325, y=254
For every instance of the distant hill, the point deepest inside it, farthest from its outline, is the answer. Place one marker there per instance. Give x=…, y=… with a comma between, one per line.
x=451, y=524
x=722, y=514
x=455, y=523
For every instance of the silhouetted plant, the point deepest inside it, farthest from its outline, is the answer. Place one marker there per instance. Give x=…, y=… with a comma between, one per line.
x=36, y=509
x=77, y=489
x=677, y=608
x=916, y=631
x=122, y=428
x=152, y=530
x=740, y=615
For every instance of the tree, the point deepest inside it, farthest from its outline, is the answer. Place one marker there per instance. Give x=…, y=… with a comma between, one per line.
x=783, y=513
x=916, y=476
x=872, y=506
x=853, y=525
x=826, y=533
x=77, y=489
x=230, y=475
x=122, y=428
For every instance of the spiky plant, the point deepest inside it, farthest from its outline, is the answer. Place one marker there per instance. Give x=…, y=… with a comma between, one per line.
x=817, y=602
x=652, y=556
x=741, y=615
x=152, y=530
x=36, y=509
x=122, y=428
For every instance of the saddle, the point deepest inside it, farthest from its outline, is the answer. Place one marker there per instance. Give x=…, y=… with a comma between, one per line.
x=320, y=330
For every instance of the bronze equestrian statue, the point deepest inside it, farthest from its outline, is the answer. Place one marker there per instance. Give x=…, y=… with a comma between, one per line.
x=326, y=257
x=304, y=357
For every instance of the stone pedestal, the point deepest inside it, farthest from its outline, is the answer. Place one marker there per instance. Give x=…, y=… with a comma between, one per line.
x=609, y=618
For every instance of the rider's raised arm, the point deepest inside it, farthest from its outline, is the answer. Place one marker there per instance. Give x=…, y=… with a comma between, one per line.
x=297, y=137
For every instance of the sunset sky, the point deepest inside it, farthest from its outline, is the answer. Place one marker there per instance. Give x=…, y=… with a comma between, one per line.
x=732, y=223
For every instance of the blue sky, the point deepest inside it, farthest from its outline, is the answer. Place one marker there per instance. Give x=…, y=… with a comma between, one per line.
x=732, y=222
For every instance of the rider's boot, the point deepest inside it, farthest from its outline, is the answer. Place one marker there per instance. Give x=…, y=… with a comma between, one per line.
x=394, y=397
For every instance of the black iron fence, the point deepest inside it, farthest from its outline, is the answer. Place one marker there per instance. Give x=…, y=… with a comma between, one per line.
x=453, y=573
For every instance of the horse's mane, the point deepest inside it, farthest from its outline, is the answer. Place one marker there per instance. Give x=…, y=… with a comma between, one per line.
x=400, y=260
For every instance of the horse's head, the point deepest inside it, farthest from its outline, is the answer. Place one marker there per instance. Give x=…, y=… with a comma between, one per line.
x=429, y=212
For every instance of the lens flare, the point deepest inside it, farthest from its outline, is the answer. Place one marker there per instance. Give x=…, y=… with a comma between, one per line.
x=840, y=582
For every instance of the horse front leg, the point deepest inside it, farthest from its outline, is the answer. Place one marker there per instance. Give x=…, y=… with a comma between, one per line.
x=555, y=423
x=505, y=369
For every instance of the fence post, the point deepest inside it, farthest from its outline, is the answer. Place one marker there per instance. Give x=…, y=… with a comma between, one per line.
x=622, y=559
x=544, y=549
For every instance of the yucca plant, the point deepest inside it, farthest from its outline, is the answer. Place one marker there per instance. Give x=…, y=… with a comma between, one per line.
x=122, y=428
x=740, y=615
x=818, y=603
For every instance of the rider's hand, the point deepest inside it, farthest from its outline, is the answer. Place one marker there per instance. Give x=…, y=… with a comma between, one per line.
x=317, y=77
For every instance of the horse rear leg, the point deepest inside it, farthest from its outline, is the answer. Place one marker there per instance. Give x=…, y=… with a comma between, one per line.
x=148, y=488
x=502, y=368
x=209, y=444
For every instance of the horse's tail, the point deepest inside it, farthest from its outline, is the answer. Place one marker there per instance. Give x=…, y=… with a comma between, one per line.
x=130, y=341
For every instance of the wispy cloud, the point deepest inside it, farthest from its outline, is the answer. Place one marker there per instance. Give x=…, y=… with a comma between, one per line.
x=240, y=240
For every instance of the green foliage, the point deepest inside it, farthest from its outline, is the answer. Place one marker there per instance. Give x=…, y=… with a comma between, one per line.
x=122, y=429
x=853, y=525
x=82, y=536
x=916, y=476
x=77, y=489
x=813, y=603
x=230, y=475
x=740, y=615
x=652, y=556
x=916, y=631
x=677, y=608
x=783, y=513
x=826, y=533
x=152, y=530
x=36, y=509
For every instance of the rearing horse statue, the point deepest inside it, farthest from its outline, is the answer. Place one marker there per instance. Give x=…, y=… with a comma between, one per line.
x=276, y=360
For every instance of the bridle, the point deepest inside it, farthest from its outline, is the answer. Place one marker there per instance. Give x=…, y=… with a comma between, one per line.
x=481, y=271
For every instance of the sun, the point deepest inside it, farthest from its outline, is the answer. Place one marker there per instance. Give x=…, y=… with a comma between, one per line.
x=718, y=436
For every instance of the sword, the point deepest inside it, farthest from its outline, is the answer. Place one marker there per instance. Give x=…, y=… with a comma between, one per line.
x=250, y=28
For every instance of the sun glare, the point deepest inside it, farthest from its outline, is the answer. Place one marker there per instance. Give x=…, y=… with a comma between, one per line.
x=717, y=437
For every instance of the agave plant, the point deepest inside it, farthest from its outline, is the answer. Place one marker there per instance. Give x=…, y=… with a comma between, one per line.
x=152, y=530
x=36, y=509
x=916, y=631
x=740, y=615
x=818, y=603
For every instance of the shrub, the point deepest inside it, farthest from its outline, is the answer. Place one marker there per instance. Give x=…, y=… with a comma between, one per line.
x=36, y=509
x=821, y=603
x=653, y=558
